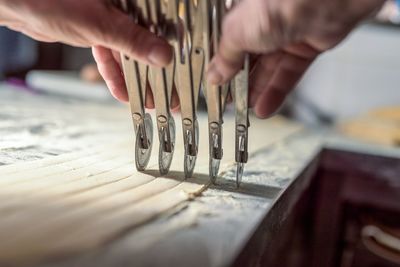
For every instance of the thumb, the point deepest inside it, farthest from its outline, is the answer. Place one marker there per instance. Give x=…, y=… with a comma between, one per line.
x=125, y=36
x=245, y=29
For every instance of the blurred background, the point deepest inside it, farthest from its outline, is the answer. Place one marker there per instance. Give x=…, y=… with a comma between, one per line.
x=351, y=86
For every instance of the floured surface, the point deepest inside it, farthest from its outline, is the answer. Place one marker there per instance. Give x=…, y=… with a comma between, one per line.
x=212, y=229
x=55, y=209
x=75, y=203
x=36, y=126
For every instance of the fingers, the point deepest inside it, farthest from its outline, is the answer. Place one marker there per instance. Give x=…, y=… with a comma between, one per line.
x=149, y=97
x=270, y=92
x=174, y=99
x=135, y=41
x=111, y=72
x=229, y=98
x=262, y=74
x=302, y=50
x=245, y=29
x=109, y=65
x=38, y=36
x=21, y=27
x=125, y=36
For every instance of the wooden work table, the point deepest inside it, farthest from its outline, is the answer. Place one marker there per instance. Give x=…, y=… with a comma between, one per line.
x=276, y=211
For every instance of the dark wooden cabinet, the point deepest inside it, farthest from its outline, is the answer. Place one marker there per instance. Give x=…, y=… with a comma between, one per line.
x=346, y=214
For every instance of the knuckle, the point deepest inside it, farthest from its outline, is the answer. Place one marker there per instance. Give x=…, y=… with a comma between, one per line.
x=288, y=19
x=228, y=23
x=138, y=41
x=102, y=30
x=130, y=38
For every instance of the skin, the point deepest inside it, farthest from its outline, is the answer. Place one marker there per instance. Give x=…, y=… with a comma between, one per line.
x=89, y=23
x=284, y=37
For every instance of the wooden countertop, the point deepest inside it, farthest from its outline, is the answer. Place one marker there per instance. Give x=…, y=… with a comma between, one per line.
x=211, y=230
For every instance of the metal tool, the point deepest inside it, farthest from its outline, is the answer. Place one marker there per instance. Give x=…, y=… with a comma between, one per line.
x=240, y=95
x=189, y=69
x=162, y=82
x=136, y=78
x=213, y=11
x=193, y=27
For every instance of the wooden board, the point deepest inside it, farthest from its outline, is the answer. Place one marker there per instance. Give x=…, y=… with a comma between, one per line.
x=76, y=202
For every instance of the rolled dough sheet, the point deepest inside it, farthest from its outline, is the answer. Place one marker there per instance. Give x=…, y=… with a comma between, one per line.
x=69, y=204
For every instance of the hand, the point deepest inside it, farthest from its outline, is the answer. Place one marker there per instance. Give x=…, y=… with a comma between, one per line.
x=286, y=36
x=88, y=23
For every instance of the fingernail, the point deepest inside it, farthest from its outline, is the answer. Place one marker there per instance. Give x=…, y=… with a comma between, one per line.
x=160, y=55
x=213, y=76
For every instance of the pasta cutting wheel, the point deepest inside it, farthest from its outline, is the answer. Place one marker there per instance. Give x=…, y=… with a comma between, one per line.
x=193, y=28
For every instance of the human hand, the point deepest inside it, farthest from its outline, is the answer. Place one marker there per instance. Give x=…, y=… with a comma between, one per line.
x=88, y=23
x=286, y=36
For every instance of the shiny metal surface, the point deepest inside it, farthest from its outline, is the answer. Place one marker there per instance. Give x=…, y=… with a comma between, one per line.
x=144, y=134
x=190, y=142
x=167, y=146
x=239, y=173
x=214, y=168
x=242, y=124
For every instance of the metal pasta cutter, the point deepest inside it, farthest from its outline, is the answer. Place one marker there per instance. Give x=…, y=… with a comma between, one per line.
x=213, y=12
x=136, y=78
x=193, y=28
x=189, y=57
